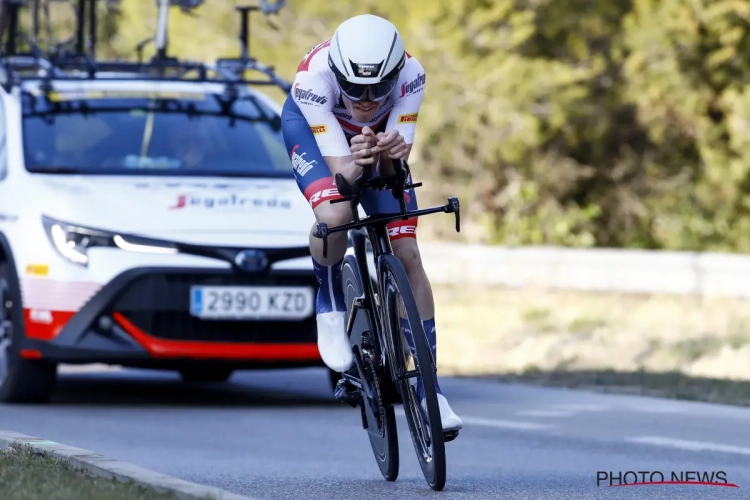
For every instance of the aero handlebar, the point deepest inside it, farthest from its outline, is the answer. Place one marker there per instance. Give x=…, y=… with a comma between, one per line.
x=397, y=183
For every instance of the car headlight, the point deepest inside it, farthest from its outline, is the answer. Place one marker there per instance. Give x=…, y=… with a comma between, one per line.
x=72, y=241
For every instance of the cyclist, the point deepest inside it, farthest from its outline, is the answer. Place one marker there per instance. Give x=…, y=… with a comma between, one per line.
x=354, y=102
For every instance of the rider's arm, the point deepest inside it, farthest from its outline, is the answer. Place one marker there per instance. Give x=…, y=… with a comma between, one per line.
x=408, y=95
x=315, y=98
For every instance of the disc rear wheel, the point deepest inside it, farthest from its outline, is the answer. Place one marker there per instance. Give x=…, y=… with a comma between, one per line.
x=380, y=420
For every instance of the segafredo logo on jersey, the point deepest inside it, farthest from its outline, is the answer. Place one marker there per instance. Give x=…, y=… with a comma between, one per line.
x=308, y=95
x=299, y=163
x=414, y=86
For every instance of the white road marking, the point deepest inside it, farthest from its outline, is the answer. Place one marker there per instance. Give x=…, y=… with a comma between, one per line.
x=640, y=408
x=574, y=407
x=496, y=423
x=689, y=445
x=505, y=424
x=544, y=413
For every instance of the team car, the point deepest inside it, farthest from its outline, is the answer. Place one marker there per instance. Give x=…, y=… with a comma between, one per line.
x=149, y=218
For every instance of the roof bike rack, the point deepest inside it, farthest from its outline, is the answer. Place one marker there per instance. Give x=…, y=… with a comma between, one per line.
x=75, y=59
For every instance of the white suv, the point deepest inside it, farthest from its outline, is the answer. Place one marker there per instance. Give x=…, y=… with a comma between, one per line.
x=147, y=222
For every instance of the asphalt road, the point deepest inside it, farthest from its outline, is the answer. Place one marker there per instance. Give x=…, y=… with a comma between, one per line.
x=279, y=435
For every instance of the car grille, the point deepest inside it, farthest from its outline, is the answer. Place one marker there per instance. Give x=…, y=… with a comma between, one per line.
x=159, y=305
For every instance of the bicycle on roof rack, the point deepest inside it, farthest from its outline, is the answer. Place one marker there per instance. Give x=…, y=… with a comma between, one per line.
x=376, y=313
x=74, y=58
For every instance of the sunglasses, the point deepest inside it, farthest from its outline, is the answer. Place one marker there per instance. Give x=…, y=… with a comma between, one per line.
x=367, y=92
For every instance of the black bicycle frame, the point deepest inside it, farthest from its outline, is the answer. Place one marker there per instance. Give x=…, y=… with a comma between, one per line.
x=375, y=224
x=377, y=233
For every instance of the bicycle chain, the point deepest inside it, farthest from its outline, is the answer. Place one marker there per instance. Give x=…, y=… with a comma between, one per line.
x=378, y=394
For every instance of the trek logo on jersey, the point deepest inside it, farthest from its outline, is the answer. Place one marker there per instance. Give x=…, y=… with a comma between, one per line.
x=410, y=118
x=319, y=129
x=321, y=191
x=402, y=229
x=301, y=166
x=308, y=95
x=414, y=86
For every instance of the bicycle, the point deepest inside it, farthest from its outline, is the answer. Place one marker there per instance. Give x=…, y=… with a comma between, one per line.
x=380, y=377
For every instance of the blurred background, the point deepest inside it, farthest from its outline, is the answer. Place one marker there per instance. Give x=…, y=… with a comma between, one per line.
x=579, y=123
x=563, y=123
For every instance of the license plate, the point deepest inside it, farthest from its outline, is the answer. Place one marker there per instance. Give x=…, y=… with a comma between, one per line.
x=252, y=302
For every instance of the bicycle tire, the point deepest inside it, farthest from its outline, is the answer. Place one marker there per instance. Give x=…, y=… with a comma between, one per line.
x=384, y=443
x=395, y=282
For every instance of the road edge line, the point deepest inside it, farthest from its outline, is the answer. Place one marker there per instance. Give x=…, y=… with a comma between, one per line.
x=110, y=468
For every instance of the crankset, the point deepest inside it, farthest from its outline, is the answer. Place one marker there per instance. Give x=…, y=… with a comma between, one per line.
x=375, y=401
x=367, y=391
x=346, y=392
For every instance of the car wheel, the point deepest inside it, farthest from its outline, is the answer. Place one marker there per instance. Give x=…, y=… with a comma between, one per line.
x=21, y=380
x=205, y=375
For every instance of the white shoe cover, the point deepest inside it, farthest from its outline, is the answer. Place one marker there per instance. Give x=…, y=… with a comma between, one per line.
x=333, y=343
x=450, y=421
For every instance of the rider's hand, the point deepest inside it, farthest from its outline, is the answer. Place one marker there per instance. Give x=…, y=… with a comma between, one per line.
x=392, y=143
x=362, y=148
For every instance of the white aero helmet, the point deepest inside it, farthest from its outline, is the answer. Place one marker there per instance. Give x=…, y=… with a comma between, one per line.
x=366, y=55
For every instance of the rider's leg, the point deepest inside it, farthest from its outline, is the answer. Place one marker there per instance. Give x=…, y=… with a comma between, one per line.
x=333, y=342
x=403, y=235
x=407, y=250
x=316, y=183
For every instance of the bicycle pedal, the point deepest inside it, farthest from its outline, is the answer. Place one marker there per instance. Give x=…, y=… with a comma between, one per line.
x=449, y=436
x=346, y=393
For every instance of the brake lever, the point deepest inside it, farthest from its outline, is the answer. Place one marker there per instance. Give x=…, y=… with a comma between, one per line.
x=455, y=207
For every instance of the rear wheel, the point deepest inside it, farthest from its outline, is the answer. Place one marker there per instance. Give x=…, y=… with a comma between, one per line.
x=380, y=420
x=424, y=422
x=21, y=380
x=205, y=375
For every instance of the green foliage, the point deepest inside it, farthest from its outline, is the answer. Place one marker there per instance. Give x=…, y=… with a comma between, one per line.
x=570, y=122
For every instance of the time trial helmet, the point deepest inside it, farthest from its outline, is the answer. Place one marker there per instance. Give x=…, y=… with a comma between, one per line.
x=366, y=55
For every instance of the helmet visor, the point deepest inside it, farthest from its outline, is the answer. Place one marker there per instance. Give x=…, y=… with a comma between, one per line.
x=367, y=92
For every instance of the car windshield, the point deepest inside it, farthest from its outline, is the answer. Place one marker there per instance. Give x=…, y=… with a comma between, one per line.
x=108, y=133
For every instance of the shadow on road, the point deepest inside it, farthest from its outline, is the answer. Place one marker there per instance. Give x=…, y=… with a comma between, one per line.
x=671, y=385
x=128, y=389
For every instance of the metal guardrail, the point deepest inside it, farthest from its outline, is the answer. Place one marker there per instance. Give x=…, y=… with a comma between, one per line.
x=606, y=270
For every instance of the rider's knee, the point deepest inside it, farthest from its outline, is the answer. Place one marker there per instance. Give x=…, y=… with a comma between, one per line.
x=407, y=250
x=333, y=214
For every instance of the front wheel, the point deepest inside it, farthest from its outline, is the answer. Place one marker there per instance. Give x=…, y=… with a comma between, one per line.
x=21, y=380
x=424, y=422
x=380, y=420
